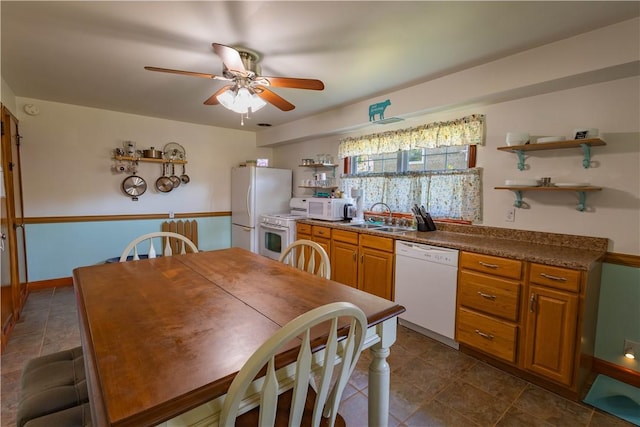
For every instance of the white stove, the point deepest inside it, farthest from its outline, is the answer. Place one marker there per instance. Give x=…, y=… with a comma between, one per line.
x=277, y=231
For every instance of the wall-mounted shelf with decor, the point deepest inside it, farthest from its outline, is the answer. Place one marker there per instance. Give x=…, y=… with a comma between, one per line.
x=585, y=144
x=581, y=190
x=328, y=186
x=145, y=159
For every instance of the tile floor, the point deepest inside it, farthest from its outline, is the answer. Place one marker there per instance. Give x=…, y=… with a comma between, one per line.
x=431, y=384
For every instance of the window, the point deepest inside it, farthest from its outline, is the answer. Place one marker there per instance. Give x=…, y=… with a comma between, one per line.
x=431, y=165
x=416, y=160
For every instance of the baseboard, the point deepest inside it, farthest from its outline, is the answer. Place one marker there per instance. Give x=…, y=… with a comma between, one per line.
x=616, y=372
x=51, y=283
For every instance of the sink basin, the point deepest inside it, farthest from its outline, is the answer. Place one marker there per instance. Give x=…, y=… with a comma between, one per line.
x=396, y=230
x=364, y=225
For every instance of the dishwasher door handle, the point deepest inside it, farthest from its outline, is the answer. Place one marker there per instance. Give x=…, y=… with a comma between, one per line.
x=427, y=248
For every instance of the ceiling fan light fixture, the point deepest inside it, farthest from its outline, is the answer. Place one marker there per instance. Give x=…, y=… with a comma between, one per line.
x=240, y=100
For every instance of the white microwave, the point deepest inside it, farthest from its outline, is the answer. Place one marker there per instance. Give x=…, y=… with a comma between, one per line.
x=327, y=209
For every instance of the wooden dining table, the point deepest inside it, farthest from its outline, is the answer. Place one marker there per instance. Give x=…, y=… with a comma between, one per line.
x=164, y=336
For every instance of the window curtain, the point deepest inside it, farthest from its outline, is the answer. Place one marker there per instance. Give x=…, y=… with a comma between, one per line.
x=449, y=194
x=464, y=131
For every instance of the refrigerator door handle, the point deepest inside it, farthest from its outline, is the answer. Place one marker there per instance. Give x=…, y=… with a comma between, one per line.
x=248, y=206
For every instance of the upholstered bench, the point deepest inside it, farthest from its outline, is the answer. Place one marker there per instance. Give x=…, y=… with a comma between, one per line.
x=54, y=391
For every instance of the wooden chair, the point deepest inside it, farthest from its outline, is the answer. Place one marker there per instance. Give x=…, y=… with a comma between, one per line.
x=304, y=254
x=303, y=398
x=165, y=237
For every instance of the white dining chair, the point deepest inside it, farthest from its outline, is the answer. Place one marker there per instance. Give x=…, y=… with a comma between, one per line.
x=312, y=394
x=165, y=238
x=304, y=254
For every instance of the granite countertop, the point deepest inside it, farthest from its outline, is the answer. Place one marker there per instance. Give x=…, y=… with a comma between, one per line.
x=561, y=250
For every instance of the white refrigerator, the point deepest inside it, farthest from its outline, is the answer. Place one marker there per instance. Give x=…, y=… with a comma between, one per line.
x=256, y=191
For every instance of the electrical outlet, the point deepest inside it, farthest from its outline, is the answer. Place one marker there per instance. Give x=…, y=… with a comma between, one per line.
x=171, y=214
x=633, y=346
x=510, y=215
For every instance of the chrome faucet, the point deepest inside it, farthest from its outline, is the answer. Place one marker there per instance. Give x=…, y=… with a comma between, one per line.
x=390, y=220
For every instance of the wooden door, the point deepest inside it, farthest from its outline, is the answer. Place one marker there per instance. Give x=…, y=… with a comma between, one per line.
x=344, y=263
x=375, y=273
x=14, y=259
x=552, y=320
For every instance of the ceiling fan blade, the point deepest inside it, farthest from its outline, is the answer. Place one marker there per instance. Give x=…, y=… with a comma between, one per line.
x=293, y=83
x=230, y=57
x=213, y=99
x=274, y=98
x=186, y=73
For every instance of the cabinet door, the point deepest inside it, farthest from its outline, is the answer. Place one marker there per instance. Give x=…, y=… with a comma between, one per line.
x=552, y=319
x=376, y=272
x=344, y=263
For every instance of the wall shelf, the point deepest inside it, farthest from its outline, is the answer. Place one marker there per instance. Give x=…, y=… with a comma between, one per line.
x=319, y=188
x=581, y=191
x=145, y=159
x=584, y=144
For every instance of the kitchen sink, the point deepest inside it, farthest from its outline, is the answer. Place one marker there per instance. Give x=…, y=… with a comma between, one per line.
x=394, y=230
x=365, y=225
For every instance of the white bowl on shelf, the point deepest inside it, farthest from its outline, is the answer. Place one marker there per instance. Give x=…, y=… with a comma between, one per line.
x=522, y=183
x=517, y=138
x=550, y=139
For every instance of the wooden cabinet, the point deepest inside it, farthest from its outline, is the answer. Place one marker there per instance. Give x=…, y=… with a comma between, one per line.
x=488, y=304
x=318, y=234
x=536, y=320
x=344, y=257
x=303, y=231
x=375, y=272
x=322, y=236
x=552, y=319
x=363, y=261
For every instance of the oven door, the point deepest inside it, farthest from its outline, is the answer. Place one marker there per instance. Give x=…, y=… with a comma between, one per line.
x=273, y=240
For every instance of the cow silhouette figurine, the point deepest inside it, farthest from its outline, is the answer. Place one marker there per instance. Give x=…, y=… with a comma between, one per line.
x=378, y=109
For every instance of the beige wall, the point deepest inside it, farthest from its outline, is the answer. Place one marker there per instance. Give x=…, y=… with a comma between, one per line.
x=613, y=107
x=67, y=151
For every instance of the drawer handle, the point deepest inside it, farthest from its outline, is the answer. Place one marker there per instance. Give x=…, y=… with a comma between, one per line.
x=483, y=335
x=487, y=296
x=484, y=264
x=556, y=278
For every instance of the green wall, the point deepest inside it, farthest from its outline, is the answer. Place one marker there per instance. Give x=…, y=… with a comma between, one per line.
x=54, y=250
x=618, y=314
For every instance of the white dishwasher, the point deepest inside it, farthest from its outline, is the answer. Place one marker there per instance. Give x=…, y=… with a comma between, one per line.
x=426, y=282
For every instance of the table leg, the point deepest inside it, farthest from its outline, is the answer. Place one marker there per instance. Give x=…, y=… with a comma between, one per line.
x=379, y=375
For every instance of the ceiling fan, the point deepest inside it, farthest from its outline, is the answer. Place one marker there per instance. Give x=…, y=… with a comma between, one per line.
x=247, y=89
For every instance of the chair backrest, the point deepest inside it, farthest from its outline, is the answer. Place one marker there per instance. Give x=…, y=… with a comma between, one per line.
x=308, y=256
x=338, y=349
x=164, y=237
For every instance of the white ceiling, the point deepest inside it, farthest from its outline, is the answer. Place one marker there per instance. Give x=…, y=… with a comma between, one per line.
x=93, y=53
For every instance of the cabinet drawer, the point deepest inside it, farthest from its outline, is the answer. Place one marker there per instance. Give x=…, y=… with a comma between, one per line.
x=319, y=231
x=375, y=242
x=489, y=335
x=345, y=236
x=303, y=228
x=492, y=265
x=491, y=295
x=555, y=277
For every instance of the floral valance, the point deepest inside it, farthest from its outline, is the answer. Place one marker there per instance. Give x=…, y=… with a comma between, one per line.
x=465, y=131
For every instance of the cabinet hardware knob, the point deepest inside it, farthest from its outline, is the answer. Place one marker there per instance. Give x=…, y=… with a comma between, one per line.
x=484, y=264
x=355, y=256
x=484, y=335
x=556, y=278
x=532, y=301
x=487, y=296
